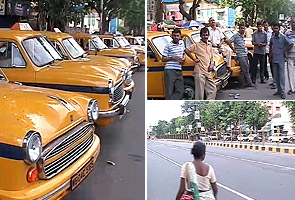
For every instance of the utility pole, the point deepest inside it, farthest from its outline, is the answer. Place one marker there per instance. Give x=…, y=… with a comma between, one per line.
x=101, y=16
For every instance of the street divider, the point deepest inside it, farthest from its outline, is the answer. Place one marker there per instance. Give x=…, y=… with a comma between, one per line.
x=288, y=150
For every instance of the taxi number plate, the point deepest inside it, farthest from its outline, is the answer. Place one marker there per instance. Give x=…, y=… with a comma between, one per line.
x=82, y=174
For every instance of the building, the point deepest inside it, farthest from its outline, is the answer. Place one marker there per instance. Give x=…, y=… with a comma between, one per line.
x=151, y=10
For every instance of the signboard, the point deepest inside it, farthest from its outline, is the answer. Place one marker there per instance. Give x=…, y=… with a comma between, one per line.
x=197, y=114
x=182, y=127
x=190, y=127
x=113, y=26
x=231, y=17
x=2, y=7
x=177, y=129
x=199, y=124
x=203, y=128
x=281, y=16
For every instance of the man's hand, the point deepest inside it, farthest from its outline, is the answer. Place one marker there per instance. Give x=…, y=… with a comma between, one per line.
x=182, y=59
x=209, y=68
x=234, y=50
x=176, y=58
x=196, y=60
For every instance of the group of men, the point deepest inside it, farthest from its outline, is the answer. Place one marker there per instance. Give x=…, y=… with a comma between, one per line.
x=267, y=44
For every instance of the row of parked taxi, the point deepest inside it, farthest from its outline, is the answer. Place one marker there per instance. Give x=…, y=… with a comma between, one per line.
x=53, y=88
x=156, y=42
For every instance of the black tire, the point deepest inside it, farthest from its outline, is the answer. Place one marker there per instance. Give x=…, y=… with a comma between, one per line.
x=189, y=89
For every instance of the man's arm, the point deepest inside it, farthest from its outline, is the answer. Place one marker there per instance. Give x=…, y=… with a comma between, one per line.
x=254, y=41
x=167, y=58
x=188, y=52
x=289, y=46
x=229, y=42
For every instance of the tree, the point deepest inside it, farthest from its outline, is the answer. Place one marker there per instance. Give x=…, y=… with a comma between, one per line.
x=161, y=129
x=291, y=108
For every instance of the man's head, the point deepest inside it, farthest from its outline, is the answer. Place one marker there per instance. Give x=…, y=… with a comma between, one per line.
x=212, y=22
x=259, y=26
x=242, y=29
x=247, y=25
x=276, y=28
x=204, y=33
x=265, y=25
x=176, y=35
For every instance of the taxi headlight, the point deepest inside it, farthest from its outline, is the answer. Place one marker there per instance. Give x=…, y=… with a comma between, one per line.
x=32, y=147
x=123, y=74
x=136, y=59
x=111, y=90
x=93, y=110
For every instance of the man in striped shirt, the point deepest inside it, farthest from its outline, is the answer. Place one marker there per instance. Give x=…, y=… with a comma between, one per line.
x=173, y=55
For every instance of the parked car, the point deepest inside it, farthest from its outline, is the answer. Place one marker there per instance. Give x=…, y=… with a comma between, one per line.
x=115, y=41
x=71, y=50
x=28, y=57
x=243, y=137
x=93, y=45
x=47, y=141
x=155, y=69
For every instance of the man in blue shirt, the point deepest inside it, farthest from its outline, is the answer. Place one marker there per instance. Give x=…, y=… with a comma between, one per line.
x=173, y=55
x=279, y=47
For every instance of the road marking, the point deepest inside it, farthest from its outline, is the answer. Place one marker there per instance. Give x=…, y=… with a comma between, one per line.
x=236, y=158
x=219, y=184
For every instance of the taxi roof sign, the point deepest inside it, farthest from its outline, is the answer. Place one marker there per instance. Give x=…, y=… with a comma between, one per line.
x=57, y=30
x=22, y=27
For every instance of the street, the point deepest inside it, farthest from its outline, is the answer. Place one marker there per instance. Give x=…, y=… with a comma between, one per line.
x=263, y=91
x=124, y=144
x=241, y=174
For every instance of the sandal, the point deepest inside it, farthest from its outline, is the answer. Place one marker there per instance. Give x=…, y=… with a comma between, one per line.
x=290, y=92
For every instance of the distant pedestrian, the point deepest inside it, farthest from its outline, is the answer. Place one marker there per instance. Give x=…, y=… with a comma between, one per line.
x=242, y=54
x=197, y=176
x=291, y=58
x=268, y=32
x=173, y=55
x=259, y=40
x=279, y=47
x=248, y=31
x=203, y=61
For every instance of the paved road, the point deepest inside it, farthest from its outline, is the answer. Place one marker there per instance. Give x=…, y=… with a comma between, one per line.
x=241, y=174
x=123, y=143
x=263, y=91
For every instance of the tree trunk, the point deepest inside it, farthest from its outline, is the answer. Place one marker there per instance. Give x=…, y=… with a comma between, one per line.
x=183, y=12
x=159, y=11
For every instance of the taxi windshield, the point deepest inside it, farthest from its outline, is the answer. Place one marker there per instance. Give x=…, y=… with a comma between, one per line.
x=161, y=42
x=74, y=49
x=99, y=43
x=40, y=51
x=122, y=41
x=229, y=33
x=196, y=37
x=139, y=41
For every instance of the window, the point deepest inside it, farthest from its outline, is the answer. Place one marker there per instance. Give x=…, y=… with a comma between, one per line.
x=60, y=49
x=187, y=42
x=277, y=108
x=10, y=56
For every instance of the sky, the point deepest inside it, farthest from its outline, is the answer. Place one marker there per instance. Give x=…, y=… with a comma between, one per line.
x=162, y=110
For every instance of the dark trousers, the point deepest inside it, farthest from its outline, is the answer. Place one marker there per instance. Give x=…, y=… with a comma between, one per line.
x=266, y=74
x=261, y=59
x=245, y=69
x=279, y=76
x=174, y=85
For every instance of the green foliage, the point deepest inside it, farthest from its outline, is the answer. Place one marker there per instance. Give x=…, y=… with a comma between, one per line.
x=254, y=10
x=291, y=108
x=122, y=29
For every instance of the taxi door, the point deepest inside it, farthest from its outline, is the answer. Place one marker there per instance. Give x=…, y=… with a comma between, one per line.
x=14, y=64
x=155, y=74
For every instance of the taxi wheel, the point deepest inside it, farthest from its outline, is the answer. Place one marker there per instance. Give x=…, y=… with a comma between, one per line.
x=189, y=89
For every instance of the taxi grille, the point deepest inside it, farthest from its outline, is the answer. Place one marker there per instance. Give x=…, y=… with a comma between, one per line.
x=67, y=149
x=221, y=71
x=118, y=93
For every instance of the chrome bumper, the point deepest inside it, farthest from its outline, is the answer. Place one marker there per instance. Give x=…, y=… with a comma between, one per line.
x=119, y=110
x=129, y=89
x=223, y=80
x=135, y=66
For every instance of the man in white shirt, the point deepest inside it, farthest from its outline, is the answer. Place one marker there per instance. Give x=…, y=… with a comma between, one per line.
x=291, y=58
x=216, y=38
x=268, y=32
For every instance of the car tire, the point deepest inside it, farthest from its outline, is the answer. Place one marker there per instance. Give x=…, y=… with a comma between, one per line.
x=189, y=89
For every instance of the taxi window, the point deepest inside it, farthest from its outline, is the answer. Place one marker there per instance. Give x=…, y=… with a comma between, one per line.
x=108, y=42
x=161, y=42
x=187, y=41
x=91, y=46
x=10, y=56
x=196, y=37
x=60, y=49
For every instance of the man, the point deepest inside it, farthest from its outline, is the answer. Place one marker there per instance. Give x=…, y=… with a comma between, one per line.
x=203, y=61
x=216, y=37
x=268, y=36
x=248, y=31
x=173, y=55
x=240, y=50
x=279, y=47
x=291, y=58
x=259, y=40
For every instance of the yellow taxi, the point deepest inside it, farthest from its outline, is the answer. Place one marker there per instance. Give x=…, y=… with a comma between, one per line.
x=113, y=41
x=71, y=50
x=93, y=45
x=156, y=42
x=136, y=40
x=28, y=57
x=47, y=141
x=236, y=70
